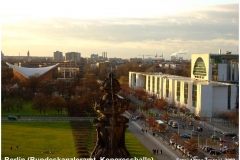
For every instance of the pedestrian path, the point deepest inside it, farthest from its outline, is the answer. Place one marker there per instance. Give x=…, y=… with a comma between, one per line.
x=153, y=142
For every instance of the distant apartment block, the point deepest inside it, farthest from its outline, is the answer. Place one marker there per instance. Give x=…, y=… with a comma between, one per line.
x=72, y=56
x=57, y=56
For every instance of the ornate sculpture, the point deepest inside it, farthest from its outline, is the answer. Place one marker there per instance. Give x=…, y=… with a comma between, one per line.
x=110, y=126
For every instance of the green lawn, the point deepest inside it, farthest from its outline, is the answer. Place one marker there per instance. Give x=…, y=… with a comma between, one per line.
x=33, y=138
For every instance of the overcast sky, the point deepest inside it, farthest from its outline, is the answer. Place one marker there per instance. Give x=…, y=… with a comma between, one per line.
x=122, y=28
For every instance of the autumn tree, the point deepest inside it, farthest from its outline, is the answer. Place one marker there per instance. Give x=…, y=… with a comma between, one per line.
x=175, y=137
x=160, y=104
x=141, y=94
x=165, y=117
x=151, y=122
x=40, y=103
x=191, y=145
x=132, y=108
x=57, y=103
x=33, y=82
x=6, y=75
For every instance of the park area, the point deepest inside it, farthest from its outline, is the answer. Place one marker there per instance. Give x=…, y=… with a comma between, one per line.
x=56, y=139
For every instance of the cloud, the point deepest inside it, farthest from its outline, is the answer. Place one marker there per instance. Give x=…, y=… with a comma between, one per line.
x=202, y=30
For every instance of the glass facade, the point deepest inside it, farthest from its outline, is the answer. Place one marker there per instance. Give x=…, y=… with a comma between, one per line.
x=214, y=60
x=178, y=90
x=149, y=83
x=167, y=87
x=158, y=80
x=185, y=93
x=153, y=84
x=199, y=70
x=194, y=95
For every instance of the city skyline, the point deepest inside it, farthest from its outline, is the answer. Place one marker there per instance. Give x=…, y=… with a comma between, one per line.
x=120, y=28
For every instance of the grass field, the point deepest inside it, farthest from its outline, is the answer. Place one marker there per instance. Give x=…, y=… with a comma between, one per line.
x=135, y=148
x=33, y=138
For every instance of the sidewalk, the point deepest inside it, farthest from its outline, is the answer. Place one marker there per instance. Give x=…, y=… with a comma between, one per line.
x=153, y=142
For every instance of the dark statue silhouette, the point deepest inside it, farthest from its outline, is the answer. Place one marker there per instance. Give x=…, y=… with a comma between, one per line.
x=111, y=125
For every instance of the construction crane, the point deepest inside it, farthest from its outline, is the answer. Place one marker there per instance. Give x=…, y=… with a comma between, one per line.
x=145, y=55
x=158, y=55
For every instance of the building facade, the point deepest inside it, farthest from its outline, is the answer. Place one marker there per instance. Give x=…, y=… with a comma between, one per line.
x=215, y=67
x=200, y=94
x=57, y=56
x=72, y=56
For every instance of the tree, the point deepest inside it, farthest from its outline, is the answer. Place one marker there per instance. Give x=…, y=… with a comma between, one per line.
x=40, y=103
x=175, y=137
x=141, y=94
x=160, y=104
x=8, y=105
x=165, y=117
x=57, y=103
x=132, y=108
x=191, y=145
x=151, y=122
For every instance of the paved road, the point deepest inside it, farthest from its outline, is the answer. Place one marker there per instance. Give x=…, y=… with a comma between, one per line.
x=152, y=142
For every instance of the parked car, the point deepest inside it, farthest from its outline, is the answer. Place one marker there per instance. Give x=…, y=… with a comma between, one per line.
x=214, y=152
x=185, y=136
x=175, y=145
x=208, y=149
x=135, y=118
x=170, y=122
x=12, y=118
x=175, y=125
x=171, y=141
x=222, y=140
x=179, y=146
x=199, y=129
x=195, y=158
x=190, y=154
x=215, y=137
x=230, y=134
x=182, y=148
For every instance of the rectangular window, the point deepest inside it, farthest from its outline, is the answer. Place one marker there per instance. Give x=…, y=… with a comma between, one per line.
x=194, y=95
x=167, y=87
x=153, y=84
x=185, y=92
x=148, y=83
x=158, y=79
x=178, y=91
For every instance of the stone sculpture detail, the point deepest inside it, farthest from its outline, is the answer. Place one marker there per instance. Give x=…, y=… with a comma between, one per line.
x=110, y=125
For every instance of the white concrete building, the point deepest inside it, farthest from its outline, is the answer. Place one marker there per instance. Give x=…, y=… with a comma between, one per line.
x=202, y=96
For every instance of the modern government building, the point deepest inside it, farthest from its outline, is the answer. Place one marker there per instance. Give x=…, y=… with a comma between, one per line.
x=212, y=88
